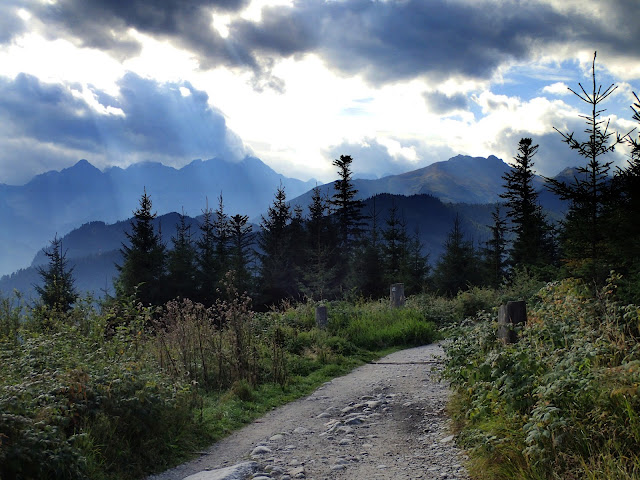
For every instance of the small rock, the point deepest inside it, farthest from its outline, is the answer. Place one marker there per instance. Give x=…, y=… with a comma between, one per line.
x=448, y=439
x=301, y=430
x=354, y=421
x=338, y=467
x=295, y=472
x=237, y=472
x=277, y=436
x=260, y=450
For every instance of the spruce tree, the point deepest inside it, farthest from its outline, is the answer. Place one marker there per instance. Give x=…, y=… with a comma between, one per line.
x=277, y=280
x=221, y=240
x=144, y=258
x=349, y=221
x=458, y=267
x=591, y=195
x=57, y=291
x=417, y=265
x=181, y=262
x=395, y=248
x=495, y=250
x=348, y=209
x=532, y=244
x=318, y=275
x=625, y=230
x=206, y=261
x=367, y=267
x=240, y=252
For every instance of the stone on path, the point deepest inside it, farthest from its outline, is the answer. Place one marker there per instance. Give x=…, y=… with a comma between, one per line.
x=236, y=472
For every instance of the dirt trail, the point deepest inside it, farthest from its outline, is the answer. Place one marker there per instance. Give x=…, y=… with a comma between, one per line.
x=384, y=420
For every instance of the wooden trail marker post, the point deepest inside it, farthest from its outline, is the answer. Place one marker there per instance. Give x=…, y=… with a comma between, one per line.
x=396, y=293
x=322, y=319
x=513, y=313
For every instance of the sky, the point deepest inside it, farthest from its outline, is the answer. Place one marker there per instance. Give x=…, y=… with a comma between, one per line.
x=397, y=85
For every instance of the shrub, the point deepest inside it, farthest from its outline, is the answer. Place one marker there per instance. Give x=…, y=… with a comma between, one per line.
x=565, y=397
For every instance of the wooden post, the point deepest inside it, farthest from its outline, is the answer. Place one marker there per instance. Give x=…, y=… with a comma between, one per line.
x=397, y=295
x=321, y=317
x=511, y=314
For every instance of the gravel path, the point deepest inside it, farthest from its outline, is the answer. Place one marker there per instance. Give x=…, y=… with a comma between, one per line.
x=384, y=420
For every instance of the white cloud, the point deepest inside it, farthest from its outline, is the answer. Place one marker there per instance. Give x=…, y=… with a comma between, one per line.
x=558, y=88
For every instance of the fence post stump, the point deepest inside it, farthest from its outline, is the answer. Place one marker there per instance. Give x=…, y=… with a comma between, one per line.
x=322, y=319
x=509, y=315
x=396, y=293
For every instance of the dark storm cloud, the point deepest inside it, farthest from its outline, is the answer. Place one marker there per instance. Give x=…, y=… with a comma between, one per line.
x=159, y=122
x=387, y=41
x=384, y=41
x=442, y=103
x=103, y=24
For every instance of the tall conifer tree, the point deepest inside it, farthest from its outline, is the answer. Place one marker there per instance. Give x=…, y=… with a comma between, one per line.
x=181, y=260
x=58, y=291
x=240, y=253
x=277, y=280
x=206, y=273
x=144, y=258
x=318, y=275
x=591, y=195
x=458, y=267
x=348, y=209
x=532, y=245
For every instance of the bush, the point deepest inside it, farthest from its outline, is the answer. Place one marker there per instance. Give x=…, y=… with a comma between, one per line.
x=72, y=409
x=565, y=397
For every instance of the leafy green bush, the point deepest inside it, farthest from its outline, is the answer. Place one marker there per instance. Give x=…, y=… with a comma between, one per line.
x=71, y=408
x=563, y=401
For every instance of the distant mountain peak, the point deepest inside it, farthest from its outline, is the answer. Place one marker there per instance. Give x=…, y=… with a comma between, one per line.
x=82, y=166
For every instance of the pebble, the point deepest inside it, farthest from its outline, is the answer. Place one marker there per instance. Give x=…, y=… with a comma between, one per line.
x=260, y=450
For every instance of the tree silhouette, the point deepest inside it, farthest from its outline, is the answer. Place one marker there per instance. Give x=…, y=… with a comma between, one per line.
x=495, y=249
x=458, y=267
x=206, y=262
x=276, y=268
x=144, y=258
x=532, y=245
x=58, y=291
x=347, y=208
x=319, y=274
x=181, y=262
x=241, y=240
x=584, y=236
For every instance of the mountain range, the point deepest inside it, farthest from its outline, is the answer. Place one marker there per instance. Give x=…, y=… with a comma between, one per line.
x=55, y=202
x=461, y=179
x=93, y=206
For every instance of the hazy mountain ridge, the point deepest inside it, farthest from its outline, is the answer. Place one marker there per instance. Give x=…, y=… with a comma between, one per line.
x=461, y=179
x=93, y=250
x=57, y=202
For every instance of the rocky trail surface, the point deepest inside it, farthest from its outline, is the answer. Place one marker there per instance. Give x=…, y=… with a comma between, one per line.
x=384, y=420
